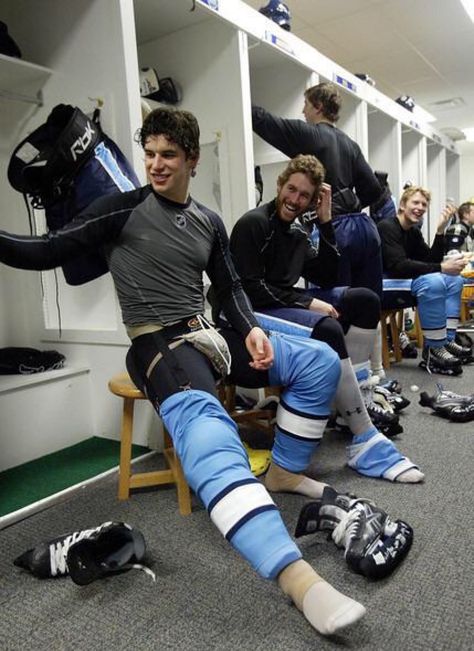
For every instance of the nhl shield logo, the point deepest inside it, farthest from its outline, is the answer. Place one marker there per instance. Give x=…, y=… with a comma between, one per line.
x=180, y=221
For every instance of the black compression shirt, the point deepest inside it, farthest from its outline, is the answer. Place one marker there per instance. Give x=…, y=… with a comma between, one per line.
x=346, y=167
x=157, y=251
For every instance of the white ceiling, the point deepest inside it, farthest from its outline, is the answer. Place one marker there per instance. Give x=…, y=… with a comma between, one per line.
x=421, y=48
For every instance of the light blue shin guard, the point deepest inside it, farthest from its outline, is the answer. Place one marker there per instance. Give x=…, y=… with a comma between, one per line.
x=310, y=371
x=374, y=455
x=217, y=469
x=439, y=304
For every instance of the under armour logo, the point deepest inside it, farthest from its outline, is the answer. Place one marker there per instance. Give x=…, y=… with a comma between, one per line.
x=357, y=410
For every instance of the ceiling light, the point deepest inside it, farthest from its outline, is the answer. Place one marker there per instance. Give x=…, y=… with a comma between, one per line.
x=469, y=7
x=452, y=102
x=469, y=133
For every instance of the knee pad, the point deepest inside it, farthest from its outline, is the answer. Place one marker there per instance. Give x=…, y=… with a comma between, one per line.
x=330, y=331
x=360, y=307
x=265, y=543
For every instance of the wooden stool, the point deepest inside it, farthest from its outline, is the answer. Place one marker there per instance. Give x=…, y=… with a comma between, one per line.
x=122, y=386
x=262, y=419
x=418, y=330
x=467, y=299
x=395, y=323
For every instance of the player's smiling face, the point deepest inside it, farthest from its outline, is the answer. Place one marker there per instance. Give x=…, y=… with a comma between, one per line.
x=167, y=168
x=413, y=210
x=294, y=197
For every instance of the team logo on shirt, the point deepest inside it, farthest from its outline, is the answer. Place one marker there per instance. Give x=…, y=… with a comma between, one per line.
x=181, y=220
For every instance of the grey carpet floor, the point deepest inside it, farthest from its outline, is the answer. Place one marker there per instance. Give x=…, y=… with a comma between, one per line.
x=205, y=596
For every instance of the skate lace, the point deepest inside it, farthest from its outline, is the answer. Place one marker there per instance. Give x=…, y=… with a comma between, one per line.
x=404, y=339
x=442, y=353
x=452, y=347
x=445, y=392
x=58, y=551
x=137, y=566
x=367, y=390
x=437, y=353
x=444, y=395
x=382, y=391
x=347, y=528
x=373, y=406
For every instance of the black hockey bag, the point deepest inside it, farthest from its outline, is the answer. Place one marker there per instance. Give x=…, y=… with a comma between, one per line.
x=62, y=167
x=25, y=361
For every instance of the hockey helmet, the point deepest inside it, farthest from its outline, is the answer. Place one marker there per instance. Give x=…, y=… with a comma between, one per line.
x=365, y=77
x=278, y=12
x=163, y=90
x=406, y=101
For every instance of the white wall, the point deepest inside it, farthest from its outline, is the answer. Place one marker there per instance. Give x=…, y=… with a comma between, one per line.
x=467, y=171
x=87, y=46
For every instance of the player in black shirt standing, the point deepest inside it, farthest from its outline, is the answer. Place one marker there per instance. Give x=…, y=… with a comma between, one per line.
x=353, y=183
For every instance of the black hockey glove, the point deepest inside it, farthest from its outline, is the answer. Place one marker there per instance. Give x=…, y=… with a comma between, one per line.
x=374, y=544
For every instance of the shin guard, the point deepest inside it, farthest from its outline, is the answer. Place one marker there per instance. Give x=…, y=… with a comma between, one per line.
x=216, y=467
x=309, y=370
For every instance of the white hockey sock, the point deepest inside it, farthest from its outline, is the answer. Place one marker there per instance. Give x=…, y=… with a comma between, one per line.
x=326, y=609
x=410, y=476
x=360, y=343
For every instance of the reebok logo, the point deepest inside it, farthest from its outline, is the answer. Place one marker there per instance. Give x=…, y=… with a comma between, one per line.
x=80, y=145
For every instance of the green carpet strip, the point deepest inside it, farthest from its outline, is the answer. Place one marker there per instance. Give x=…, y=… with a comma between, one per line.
x=35, y=480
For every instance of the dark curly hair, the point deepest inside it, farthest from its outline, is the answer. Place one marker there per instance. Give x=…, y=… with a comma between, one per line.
x=178, y=126
x=326, y=96
x=305, y=164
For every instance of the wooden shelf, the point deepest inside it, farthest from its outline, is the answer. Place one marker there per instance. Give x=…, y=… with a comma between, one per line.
x=21, y=83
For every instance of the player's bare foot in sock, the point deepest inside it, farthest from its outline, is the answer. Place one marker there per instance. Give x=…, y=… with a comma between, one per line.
x=411, y=476
x=280, y=480
x=326, y=609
